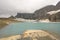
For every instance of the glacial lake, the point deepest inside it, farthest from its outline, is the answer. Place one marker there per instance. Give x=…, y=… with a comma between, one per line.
x=18, y=28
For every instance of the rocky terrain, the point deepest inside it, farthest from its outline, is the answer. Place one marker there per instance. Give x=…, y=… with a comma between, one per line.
x=54, y=16
x=32, y=35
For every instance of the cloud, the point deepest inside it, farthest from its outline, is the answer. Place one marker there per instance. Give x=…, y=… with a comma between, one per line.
x=11, y=7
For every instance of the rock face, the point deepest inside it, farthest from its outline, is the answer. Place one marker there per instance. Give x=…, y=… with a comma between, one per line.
x=32, y=35
x=37, y=35
x=55, y=17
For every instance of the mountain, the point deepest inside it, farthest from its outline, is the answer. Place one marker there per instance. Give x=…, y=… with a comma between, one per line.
x=25, y=15
x=41, y=13
x=33, y=35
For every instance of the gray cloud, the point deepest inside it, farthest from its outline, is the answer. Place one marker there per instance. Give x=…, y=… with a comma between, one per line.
x=11, y=7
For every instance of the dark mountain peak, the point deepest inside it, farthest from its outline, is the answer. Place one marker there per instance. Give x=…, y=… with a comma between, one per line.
x=48, y=8
x=45, y=9
x=58, y=4
x=41, y=13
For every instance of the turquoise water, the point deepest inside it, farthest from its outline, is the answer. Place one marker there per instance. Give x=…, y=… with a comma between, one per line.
x=18, y=28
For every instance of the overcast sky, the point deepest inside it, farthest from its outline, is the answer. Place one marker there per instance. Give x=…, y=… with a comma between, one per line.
x=11, y=7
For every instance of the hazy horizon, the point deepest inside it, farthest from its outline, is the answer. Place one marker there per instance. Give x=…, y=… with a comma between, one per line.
x=11, y=7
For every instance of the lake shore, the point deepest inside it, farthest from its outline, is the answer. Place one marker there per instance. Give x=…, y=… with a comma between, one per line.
x=5, y=22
